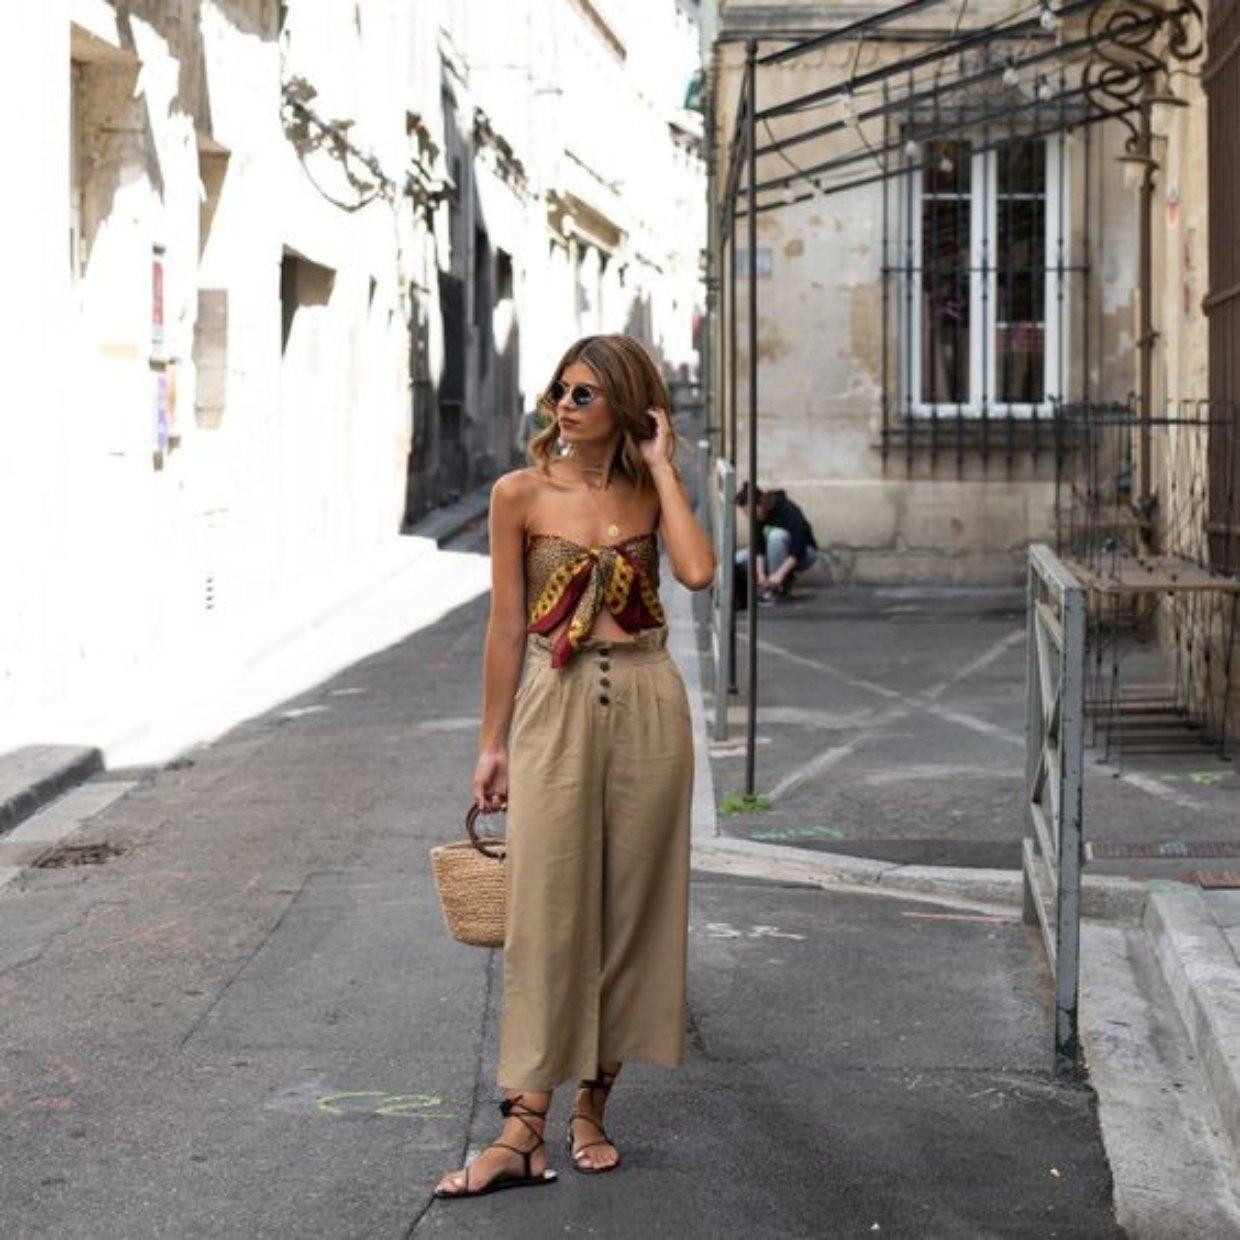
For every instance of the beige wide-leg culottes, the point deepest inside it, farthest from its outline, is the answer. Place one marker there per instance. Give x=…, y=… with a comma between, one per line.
x=600, y=781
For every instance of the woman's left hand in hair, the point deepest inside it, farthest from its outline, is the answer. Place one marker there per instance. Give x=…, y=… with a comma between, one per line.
x=658, y=449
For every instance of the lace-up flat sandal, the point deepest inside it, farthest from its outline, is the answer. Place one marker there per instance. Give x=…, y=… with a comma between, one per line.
x=602, y=1083
x=525, y=1178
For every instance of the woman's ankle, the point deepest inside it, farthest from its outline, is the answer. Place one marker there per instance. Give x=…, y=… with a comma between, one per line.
x=525, y=1115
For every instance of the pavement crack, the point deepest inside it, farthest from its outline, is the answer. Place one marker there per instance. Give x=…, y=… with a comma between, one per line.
x=53, y=937
x=245, y=964
x=475, y=1093
x=696, y=1040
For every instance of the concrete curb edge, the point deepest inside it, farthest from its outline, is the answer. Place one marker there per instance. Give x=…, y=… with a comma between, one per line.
x=1200, y=970
x=65, y=767
x=1104, y=897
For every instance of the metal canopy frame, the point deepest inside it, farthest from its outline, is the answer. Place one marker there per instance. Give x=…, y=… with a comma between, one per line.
x=965, y=82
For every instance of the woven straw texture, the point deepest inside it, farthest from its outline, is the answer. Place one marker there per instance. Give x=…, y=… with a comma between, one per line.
x=471, y=892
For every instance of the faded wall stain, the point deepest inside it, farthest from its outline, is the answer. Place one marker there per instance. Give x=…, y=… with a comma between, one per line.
x=865, y=316
x=771, y=344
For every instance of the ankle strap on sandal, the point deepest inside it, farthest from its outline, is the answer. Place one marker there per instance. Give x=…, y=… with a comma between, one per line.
x=509, y=1107
x=509, y=1110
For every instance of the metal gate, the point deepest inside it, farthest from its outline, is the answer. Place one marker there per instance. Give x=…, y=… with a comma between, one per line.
x=1054, y=742
x=722, y=504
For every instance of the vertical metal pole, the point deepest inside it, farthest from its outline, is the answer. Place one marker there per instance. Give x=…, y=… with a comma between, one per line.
x=931, y=257
x=1033, y=729
x=714, y=268
x=732, y=361
x=706, y=490
x=912, y=188
x=1145, y=345
x=885, y=363
x=1061, y=250
x=1005, y=203
x=725, y=655
x=985, y=332
x=1087, y=265
x=1071, y=848
x=962, y=282
x=751, y=221
x=732, y=451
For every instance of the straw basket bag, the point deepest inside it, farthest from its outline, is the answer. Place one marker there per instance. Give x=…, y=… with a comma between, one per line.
x=470, y=879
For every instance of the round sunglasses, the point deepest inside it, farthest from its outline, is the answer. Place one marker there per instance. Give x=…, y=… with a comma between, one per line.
x=581, y=394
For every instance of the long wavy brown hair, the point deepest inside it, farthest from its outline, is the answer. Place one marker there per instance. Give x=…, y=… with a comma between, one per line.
x=631, y=382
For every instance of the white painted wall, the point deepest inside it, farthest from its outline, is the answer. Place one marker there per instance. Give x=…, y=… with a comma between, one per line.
x=131, y=574
x=134, y=562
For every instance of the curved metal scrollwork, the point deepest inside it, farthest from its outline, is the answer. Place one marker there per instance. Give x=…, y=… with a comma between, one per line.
x=1132, y=42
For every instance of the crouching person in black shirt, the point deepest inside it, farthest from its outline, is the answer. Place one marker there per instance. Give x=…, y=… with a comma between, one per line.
x=786, y=542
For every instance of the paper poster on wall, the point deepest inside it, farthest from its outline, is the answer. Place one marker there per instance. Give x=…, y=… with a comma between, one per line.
x=163, y=413
x=157, y=303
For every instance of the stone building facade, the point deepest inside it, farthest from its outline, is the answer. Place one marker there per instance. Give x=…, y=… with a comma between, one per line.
x=905, y=418
x=1017, y=234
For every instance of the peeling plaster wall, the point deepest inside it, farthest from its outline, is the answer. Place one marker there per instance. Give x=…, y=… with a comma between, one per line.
x=133, y=559
x=1200, y=628
x=289, y=464
x=820, y=335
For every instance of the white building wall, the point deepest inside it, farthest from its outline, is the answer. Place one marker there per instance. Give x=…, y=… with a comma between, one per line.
x=137, y=560
x=587, y=112
x=131, y=561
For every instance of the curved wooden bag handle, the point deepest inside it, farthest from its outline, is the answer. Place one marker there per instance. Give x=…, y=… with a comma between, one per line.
x=480, y=845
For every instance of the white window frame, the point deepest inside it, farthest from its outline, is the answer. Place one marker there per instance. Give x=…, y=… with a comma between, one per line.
x=983, y=324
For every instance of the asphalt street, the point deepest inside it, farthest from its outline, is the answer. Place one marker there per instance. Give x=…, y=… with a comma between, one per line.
x=891, y=725
x=247, y=1021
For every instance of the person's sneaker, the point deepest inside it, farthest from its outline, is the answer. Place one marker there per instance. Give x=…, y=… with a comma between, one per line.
x=766, y=598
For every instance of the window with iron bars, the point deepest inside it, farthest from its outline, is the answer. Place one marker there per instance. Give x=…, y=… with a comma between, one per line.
x=984, y=259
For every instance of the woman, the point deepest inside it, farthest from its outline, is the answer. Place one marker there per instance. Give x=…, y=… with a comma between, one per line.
x=598, y=780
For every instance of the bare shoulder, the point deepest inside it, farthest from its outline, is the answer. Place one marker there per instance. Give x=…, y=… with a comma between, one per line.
x=514, y=494
x=517, y=487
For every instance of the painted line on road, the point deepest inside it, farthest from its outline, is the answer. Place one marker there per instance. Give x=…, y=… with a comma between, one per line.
x=983, y=661
x=987, y=918
x=818, y=765
x=827, y=669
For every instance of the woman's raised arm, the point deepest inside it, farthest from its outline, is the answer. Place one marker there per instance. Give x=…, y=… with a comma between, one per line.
x=688, y=548
x=505, y=639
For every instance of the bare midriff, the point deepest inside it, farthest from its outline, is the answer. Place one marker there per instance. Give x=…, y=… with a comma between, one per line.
x=577, y=593
x=605, y=629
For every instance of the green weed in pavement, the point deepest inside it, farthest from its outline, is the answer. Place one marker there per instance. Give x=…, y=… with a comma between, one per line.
x=743, y=804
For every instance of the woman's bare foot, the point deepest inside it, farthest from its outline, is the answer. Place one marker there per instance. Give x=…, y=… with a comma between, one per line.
x=592, y=1149
x=526, y=1116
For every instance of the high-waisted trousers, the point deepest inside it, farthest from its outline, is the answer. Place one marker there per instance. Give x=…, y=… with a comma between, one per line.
x=600, y=780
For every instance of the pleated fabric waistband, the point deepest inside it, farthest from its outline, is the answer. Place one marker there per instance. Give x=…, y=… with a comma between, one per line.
x=648, y=646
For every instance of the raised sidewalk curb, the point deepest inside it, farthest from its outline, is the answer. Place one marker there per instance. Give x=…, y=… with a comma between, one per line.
x=54, y=824
x=33, y=775
x=443, y=524
x=1203, y=974
x=1102, y=897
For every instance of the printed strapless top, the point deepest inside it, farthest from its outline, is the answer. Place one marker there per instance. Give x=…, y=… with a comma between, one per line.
x=564, y=578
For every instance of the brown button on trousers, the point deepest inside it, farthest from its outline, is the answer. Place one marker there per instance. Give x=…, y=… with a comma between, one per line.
x=600, y=782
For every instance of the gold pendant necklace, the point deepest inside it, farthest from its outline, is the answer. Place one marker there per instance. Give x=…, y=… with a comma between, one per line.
x=613, y=530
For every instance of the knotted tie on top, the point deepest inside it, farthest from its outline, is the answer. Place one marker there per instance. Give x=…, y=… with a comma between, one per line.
x=563, y=577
